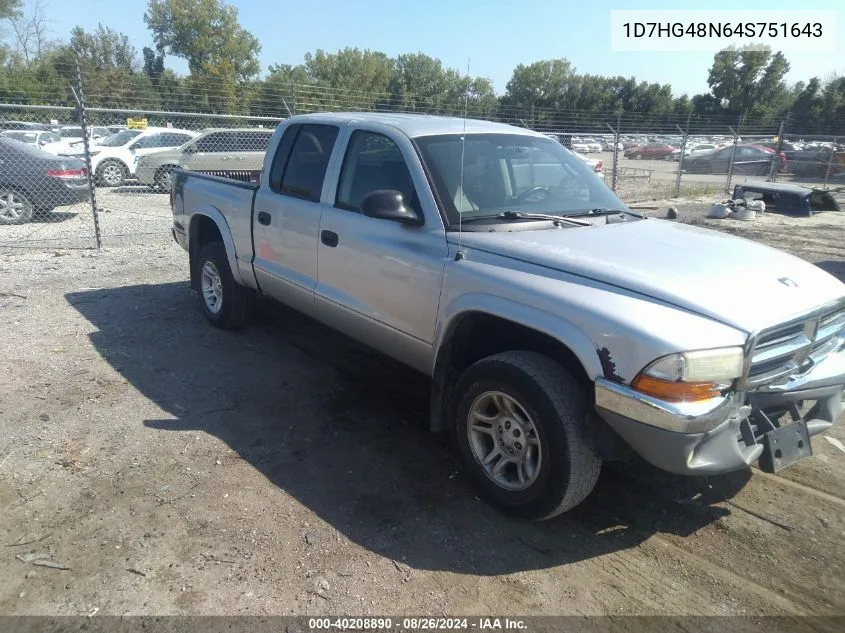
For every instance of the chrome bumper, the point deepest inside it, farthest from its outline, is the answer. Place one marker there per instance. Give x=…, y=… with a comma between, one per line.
x=704, y=437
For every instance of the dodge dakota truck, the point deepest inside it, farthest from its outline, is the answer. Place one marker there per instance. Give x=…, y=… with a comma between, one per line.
x=559, y=328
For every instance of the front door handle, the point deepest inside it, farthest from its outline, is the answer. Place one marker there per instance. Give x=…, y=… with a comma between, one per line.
x=329, y=238
x=264, y=218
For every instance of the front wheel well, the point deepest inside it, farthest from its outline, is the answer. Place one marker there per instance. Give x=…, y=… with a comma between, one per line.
x=203, y=230
x=478, y=335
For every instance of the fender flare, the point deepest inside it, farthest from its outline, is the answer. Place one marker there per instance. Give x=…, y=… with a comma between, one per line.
x=552, y=325
x=219, y=219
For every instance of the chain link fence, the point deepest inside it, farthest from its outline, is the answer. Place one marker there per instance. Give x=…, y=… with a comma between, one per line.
x=96, y=172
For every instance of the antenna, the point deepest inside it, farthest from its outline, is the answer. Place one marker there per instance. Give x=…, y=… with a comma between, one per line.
x=460, y=254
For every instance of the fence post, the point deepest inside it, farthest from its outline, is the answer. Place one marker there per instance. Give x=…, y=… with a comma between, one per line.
x=616, y=134
x=293, y=95
x=684, y=134
x=83, y=122
x=731, y=163
x=773, y=172
x=829, y=168
x=613, y=168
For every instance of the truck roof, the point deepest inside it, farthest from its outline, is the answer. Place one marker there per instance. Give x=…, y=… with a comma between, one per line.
x=414, y=125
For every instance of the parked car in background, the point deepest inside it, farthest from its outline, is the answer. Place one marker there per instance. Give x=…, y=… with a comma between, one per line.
x=578, y=145
x=114, y=129
x=592, y=144
x=114, y=159
x=73, y=134
x=32, y=180
x=234, y=152
x=694, y=150
x=26, y=125
x=753, y=160
x=820, y=162
x=650, y=150
x=594, y=163
x=47, y=141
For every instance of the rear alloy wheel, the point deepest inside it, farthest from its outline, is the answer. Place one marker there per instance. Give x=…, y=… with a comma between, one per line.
x=111, y=173
x=15, y=207
x=226, y=304
x=638, y=156
x=163, y=178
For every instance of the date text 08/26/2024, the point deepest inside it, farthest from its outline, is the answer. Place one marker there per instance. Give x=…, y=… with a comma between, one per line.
x=417, y=624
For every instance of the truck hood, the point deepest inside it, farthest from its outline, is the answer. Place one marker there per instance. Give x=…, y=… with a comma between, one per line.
x=730, y=279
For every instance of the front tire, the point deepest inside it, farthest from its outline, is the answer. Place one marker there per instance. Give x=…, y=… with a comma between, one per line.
x=521, y=423
x=224, y=303
x=111, y=173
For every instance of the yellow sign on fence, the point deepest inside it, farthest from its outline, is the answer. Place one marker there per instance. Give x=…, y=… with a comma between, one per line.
x=136, y=124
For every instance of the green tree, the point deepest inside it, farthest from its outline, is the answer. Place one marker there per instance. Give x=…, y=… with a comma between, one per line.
x=749, y=82
x=153, y=63
x=10, y=8
x=207, y=34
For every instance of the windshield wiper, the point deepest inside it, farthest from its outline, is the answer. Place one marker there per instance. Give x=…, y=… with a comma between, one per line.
x=520, y=215
x=596, y=211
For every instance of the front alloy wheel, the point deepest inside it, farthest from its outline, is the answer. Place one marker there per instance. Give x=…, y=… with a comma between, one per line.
x=504, y=441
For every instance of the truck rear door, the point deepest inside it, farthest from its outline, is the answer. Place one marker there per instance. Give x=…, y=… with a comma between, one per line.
x=286, y=215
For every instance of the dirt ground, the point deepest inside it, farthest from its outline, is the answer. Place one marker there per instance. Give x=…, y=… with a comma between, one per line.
x=177, y=469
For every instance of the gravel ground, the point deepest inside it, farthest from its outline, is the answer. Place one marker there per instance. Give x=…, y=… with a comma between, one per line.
x=178, y=469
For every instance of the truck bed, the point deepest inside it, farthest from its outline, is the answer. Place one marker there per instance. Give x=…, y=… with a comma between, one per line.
x=228, y=200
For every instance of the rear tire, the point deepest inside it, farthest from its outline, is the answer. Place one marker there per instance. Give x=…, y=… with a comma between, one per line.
x=15, y=207
x=224, y=303
x=162, y=177
x=523, y=415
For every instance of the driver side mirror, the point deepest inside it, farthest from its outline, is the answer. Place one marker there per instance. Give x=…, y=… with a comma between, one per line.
x=388, y=204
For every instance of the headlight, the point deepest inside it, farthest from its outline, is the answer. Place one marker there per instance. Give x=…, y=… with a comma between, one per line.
x=690, y=376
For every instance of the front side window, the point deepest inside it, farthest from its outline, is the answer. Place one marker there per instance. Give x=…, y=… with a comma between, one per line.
x=511, y=172
x=373, y=162
x=309, y=158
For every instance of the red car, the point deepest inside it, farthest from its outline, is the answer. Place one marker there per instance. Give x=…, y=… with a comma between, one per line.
x=650, y=150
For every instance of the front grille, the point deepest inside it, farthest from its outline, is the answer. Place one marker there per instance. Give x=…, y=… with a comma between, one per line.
x=788, y=348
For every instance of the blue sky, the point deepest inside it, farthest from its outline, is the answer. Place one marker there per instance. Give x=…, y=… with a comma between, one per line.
x=495, y=35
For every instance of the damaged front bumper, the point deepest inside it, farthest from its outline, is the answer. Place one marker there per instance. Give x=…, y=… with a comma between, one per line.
x=729, y=432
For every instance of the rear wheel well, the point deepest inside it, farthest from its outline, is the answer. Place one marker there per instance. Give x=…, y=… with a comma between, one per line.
x=203, y=231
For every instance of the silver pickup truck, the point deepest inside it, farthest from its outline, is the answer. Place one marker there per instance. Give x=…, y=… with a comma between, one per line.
x=559, y=328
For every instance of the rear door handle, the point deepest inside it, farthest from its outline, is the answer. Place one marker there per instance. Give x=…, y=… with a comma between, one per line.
x=264, y=218
x=329, y=238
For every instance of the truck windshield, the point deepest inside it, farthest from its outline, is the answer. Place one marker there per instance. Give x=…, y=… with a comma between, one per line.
x=511, y=172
